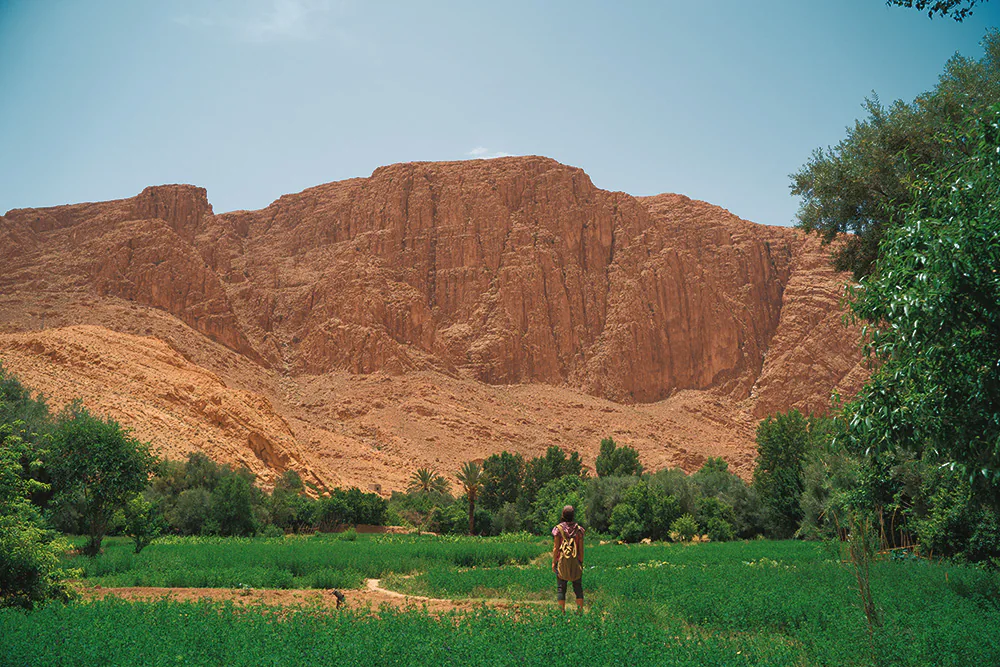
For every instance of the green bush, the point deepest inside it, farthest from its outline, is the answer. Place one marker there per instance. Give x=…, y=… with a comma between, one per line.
x=143, y=522
x=719, y=530
x=684, y=528
x=626, y=524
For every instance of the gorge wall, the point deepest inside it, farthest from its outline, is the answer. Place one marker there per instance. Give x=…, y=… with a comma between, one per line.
x=342, y=305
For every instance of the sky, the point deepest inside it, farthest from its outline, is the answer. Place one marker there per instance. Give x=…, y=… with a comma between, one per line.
x=719, y=100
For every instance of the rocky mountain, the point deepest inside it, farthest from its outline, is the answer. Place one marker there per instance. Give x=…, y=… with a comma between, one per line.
x=428, y=314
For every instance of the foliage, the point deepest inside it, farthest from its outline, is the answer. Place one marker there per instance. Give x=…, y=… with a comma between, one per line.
x=99, y=460
x=626, y=524
x=29, y=557
x=507, y=520
x=956, y=9
x=191, y=513
x=933, y=314
x=614, y=461
x=425, y=480
x=417, y=508
x=782, y=443
x=601, y=496
x=541, y=470
x=684, y=528
x=863, y=185
x=471, y=479
x=719, y=530
x=503, y=475
x=143, y=522
x=234, y=500
x=547, y=509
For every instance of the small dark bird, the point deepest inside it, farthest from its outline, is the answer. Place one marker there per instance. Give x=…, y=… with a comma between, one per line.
x=340, y=597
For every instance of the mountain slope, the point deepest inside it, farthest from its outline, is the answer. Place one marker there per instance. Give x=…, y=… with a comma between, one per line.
x=455, y=280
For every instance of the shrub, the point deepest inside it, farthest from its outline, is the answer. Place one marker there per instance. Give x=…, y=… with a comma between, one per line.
x=719, y=530
x=507, y=520
x=626, y=524
x=683, y=529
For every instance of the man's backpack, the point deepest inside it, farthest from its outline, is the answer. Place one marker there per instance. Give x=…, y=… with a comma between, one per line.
x=568, y=568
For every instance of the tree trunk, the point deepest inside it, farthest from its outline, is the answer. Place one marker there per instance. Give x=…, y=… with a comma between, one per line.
x=472, y=516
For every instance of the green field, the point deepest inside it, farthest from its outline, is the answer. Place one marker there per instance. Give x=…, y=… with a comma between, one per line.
x=739, y=603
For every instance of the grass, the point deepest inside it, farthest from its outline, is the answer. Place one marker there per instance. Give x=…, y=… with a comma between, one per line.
x=741, y=603
x=320, y=561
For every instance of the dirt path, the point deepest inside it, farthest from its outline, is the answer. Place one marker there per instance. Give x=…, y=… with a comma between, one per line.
x=372, y=596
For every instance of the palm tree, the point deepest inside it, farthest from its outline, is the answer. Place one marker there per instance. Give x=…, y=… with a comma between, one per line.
x=471, y=477
x=425, y=480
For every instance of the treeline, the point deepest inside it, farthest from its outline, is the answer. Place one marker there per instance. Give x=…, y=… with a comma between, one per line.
x=509, y=493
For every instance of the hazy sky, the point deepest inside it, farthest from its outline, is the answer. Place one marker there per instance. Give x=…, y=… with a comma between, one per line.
x=716, y=99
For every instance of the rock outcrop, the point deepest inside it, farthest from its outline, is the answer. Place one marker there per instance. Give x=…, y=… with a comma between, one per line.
x=514, y=271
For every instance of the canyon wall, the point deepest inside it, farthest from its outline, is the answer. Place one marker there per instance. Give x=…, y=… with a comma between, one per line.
x=513, y=271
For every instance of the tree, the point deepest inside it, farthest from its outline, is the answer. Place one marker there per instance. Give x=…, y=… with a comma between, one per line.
x=552, y=498
x=503, y=475
x=425, y=480
x=617, y=461
x=956, y=9
x=932, y=313
x=288, y=502
x=470, y=477
x=782, y=442
x=862, y=185
x=29, y=557
x=143, y=522
x=541, y=470
x=234, y=503
x=101, y=461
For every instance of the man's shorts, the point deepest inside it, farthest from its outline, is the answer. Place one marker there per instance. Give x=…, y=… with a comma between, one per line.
x=577, y=589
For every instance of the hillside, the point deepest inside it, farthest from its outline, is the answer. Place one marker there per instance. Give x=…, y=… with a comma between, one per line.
x=428, y=314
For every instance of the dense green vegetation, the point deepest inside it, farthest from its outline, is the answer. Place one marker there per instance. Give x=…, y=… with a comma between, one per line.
x=756, y=603
x=167, y=633
x=335, y=560
x=866, y=183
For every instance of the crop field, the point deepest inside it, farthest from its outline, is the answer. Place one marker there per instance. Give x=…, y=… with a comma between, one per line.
x=738, y=603
x=321, y=561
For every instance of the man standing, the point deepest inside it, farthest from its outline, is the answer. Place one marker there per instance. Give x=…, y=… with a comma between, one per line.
x=567, y=557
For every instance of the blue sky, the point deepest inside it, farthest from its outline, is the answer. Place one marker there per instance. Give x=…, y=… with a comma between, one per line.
x=716, y=99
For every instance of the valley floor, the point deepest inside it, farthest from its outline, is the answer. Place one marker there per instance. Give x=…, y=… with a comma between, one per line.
x=420, y=600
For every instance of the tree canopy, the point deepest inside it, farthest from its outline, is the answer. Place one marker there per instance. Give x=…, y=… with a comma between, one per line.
x=956, y=9
x=99, y=466
x=932, y=313
x=864, y=184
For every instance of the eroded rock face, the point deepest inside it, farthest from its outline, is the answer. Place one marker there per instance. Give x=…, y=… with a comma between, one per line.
x=507, y=271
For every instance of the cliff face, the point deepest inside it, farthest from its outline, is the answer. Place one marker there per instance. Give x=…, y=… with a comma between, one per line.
x=506, y=271
x=513, y=270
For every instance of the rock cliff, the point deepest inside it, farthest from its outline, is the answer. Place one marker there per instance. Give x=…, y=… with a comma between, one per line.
x=513, y=271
